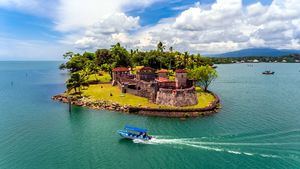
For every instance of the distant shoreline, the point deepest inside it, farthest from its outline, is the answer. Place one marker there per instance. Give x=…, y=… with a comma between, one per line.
x=257, y=59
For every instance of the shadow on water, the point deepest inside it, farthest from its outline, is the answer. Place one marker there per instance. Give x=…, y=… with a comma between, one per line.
x=131, y=143
x=125, y=141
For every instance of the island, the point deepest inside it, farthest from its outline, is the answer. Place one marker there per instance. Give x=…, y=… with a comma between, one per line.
x=116, y=79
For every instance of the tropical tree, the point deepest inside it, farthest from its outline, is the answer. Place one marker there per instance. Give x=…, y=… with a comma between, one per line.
x=75, y=63
x=108, y=68
x=103, y=56
x=89, y=55
x=203, y=76
x=179, y=61
x=160, y=47
x=75, y=82
x=120, y=55
x=92, y=68
x=68, y=55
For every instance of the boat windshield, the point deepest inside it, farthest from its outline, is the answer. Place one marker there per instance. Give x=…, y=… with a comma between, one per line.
x=131, y=128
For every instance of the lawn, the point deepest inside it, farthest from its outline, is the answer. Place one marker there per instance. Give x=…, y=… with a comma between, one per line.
x=105, y=77
x=104, y=91
x=204, y=99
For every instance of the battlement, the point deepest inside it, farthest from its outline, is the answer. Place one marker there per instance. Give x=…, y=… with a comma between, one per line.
x=156, y=86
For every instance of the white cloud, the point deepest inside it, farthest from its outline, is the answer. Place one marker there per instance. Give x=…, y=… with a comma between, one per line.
x=77, y=14
x=222, y=26
x=196, y=18
x=116, y=23
x=108, y=30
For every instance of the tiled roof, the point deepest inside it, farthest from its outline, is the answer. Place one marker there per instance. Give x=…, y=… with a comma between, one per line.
x=180, y=71
x=120, y=69
x=162, y=71
x=146, y=68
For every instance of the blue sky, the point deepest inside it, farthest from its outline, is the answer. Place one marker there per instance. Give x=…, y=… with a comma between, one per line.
x=157, y=11
x=20, y=25
x=41, y=30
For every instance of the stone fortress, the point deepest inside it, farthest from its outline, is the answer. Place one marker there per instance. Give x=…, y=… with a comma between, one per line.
x=156, y=86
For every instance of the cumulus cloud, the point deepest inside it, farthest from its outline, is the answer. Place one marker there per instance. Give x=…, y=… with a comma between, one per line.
x=77, y=14
x=222, y=26
x=108, y=30
x=221, y=14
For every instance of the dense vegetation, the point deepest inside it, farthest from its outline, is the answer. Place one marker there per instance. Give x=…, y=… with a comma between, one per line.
x=82, y=66
x=293, y=58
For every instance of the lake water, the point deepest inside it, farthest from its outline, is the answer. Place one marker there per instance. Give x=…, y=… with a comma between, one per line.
x=257, y=127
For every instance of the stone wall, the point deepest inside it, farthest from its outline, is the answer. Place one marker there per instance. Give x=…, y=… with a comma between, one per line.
x=169, y=84
x=177, y=97
x=147, y=89
x=124, y=88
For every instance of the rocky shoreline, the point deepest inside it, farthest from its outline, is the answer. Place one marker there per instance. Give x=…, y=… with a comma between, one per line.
x=158, y=112
x=96, y=105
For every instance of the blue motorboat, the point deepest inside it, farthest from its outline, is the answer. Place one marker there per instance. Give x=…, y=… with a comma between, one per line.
x=133, y=133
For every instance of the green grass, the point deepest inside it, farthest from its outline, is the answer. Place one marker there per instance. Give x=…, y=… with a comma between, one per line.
x=204, y=99
x=103, y=91
x=95, y=92
x=104, y=78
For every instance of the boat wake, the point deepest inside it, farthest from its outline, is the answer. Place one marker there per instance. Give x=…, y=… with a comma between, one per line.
x=227, y=147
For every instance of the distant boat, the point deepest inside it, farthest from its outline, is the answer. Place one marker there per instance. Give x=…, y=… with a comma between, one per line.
x=268, y=72
x=133, y=133
x=215, y=67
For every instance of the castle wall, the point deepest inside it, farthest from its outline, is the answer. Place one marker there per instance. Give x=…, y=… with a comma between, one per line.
x=124, y=88
x=178, y=97
x=170, y=85
x=147, y=89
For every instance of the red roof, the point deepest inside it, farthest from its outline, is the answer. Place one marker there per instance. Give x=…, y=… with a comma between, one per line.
x=162, y=71
x=146, y=68
x=180, y=71
x=120, y=69
x=162, y=79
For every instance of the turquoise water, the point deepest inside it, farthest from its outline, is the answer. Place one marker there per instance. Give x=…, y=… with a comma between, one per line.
x=258, y=126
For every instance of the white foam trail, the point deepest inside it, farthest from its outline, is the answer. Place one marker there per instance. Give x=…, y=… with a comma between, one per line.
x=249, y=154
x=206, y=145
x=139, y=141
x=234, y=152
x=268, y=155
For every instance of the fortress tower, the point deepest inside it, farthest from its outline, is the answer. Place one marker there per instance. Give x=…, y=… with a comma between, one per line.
x=181, y=78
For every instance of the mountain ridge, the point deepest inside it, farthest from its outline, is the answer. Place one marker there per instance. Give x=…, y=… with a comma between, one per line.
x=257, y=52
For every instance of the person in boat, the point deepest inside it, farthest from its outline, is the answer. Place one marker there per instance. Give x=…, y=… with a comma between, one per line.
x=146, y=135
x=140, y=134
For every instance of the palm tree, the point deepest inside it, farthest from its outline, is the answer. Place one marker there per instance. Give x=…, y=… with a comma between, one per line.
x=92, y=68
x=160, y=46
x=76, y=81
x=186, y=57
